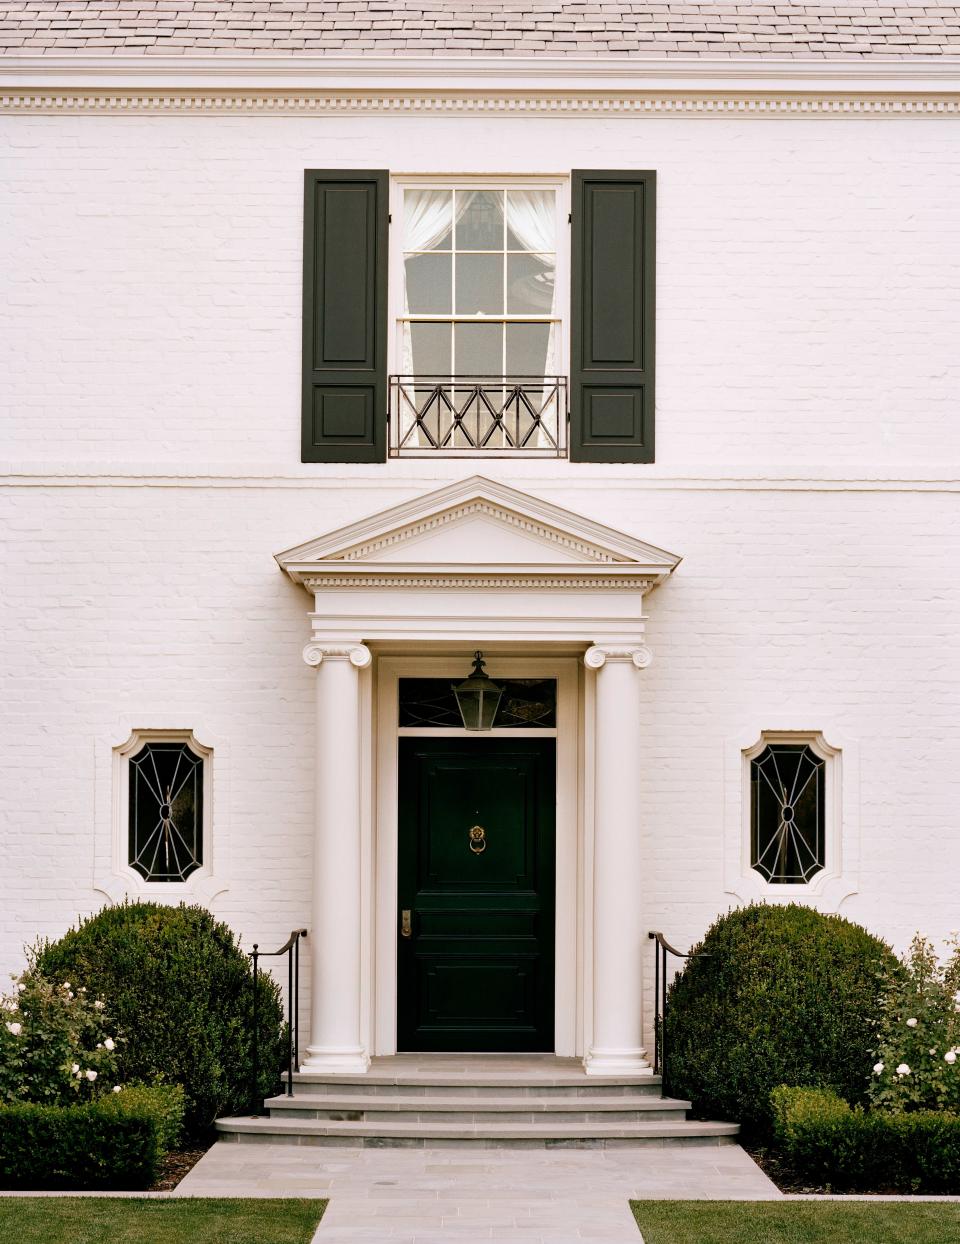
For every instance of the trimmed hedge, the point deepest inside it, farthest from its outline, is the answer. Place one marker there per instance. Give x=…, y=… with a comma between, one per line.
x=776, y=995
x=117, y=1141
x=180, y=989
x=851, y=1149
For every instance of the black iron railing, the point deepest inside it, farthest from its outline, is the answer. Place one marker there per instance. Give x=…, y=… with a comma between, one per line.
x=493, y=415
x=290, y=948
x=662, y=950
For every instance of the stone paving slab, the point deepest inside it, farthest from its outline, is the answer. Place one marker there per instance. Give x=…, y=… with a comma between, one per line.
x=435, y=1196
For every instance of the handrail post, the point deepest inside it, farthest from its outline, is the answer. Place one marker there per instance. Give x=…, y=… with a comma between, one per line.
x=290, y=1018
x=255, y=1047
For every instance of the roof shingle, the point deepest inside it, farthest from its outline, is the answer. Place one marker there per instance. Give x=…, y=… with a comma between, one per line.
x=804, y=29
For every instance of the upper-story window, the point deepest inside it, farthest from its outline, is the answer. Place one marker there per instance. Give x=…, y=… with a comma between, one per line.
x=479, y=335
x=478, y=317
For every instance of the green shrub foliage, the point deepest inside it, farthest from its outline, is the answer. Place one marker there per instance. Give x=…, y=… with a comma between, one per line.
x=180, y=988
x=774, y=995
x=918, y=1046
x=116, y=1141
x=854, y=1150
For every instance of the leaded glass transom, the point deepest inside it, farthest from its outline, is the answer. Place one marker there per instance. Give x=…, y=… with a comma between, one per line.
x=166, y=812
x=787, y=813
x=527, y=703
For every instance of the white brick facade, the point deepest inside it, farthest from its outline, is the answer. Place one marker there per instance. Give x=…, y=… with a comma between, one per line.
x=807, y=472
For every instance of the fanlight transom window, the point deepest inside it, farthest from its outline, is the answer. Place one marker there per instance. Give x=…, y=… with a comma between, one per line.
x=787, y=810
x=166, y=812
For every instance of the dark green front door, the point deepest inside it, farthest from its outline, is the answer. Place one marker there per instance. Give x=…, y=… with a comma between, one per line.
x=476, y=875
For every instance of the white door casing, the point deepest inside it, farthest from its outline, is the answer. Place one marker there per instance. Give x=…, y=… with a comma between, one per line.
x=418, y=587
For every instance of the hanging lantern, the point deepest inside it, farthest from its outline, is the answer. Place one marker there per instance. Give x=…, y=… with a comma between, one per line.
x=478, y=697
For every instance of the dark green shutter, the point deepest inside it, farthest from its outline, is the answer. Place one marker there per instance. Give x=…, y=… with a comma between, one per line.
x=345, y=316
x=612, y=316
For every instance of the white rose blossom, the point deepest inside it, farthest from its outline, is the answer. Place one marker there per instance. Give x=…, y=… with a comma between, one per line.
x=933, y=1051
x=950, y=1057
x=66, y=984
x=911, y=1023
x=99, y=1004
x=109, y=1044
x=20, y=986
x=75, y=1069
x=877, y=1069
x=116, y=1088
x=91, y=1075
x=15, y=1028
x=9, y=1004
x=903, y=1070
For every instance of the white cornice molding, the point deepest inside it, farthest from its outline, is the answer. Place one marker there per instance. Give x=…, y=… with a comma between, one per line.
x=306, y=84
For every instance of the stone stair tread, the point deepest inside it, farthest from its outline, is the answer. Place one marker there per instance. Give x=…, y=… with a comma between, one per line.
x=492, y=1131
x=478, y=1079
x=476, y=1105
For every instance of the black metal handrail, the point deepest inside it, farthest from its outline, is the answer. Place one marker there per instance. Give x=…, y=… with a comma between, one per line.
x=661, y=950
x=464, y=414
x=290, y=948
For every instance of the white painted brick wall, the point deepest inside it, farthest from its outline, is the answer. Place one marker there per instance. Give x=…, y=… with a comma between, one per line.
x=149, y=326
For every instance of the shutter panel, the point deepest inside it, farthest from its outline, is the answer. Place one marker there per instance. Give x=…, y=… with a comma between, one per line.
x=612, y=316
x=345, y=316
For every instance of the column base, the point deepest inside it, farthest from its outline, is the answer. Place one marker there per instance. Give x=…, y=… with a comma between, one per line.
x=342, y=1062
x=617, y=1063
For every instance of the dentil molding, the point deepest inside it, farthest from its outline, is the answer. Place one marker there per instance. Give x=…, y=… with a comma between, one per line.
x=45, y=102
x=538, y=85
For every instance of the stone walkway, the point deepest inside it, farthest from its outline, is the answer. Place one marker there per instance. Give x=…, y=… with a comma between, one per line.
x=437, y=1196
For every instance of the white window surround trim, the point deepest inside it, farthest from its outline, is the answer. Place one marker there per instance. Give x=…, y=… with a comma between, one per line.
x=399, y=182
x=113, y=876
x=839, y=878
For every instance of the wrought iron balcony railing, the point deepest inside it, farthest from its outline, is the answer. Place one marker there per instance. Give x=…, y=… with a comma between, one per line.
x=469, y=415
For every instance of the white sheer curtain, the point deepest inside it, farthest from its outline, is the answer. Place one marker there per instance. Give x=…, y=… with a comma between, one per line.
x=428, y=214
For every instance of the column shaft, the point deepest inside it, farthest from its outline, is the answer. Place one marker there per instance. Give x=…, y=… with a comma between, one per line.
x=619, y=940
x=336, y=1043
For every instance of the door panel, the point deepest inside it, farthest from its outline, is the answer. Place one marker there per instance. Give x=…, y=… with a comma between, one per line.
x=477, y=971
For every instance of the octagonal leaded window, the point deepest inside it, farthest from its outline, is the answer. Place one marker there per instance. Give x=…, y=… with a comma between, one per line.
x=166, y=812
x=787, y=813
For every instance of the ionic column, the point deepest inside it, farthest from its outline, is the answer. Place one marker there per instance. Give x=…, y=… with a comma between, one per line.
x=336, y=1043
x=619, y=933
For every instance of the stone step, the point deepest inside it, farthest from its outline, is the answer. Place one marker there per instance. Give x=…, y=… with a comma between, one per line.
x=372, y=1108
x=425, y=1133
x=444, y=1084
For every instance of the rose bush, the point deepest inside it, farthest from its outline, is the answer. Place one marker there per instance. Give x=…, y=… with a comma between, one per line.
x=58, y=1045
x=918, y=1048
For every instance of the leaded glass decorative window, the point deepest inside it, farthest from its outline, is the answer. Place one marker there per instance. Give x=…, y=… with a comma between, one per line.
x=787, y=809
x=166, y=812
x=527, y=703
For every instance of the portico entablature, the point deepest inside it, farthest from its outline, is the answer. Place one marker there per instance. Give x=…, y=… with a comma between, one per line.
x=481, y=562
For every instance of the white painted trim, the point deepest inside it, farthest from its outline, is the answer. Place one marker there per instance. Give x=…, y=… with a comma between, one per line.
x=381, y=989
x=484, y=72
x=839, y=879
x=113, y=876
x=345, y=477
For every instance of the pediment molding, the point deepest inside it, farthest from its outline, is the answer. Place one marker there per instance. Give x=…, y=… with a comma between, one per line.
x=416, y=542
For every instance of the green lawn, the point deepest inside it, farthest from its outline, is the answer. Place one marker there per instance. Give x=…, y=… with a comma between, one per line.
x=110, y=1220
x=796, y=1222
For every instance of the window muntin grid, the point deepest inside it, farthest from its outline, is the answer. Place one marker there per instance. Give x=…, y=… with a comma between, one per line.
x=165, y=842
x=479, y=277
x=787, y=813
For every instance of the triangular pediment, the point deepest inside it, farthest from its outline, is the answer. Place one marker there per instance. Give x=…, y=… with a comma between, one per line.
x=476, y=524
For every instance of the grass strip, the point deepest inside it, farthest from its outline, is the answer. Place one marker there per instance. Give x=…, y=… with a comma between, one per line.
x=796, y=1222
x=136, y=1220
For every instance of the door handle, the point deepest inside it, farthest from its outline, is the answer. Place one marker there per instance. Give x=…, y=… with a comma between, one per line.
x=406, y=924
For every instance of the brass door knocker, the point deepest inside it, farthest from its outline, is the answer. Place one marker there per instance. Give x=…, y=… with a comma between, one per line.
x=478, y=839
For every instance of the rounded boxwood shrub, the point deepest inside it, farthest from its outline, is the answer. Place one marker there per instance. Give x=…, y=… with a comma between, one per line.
x=180, y=991
x=775, y=995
